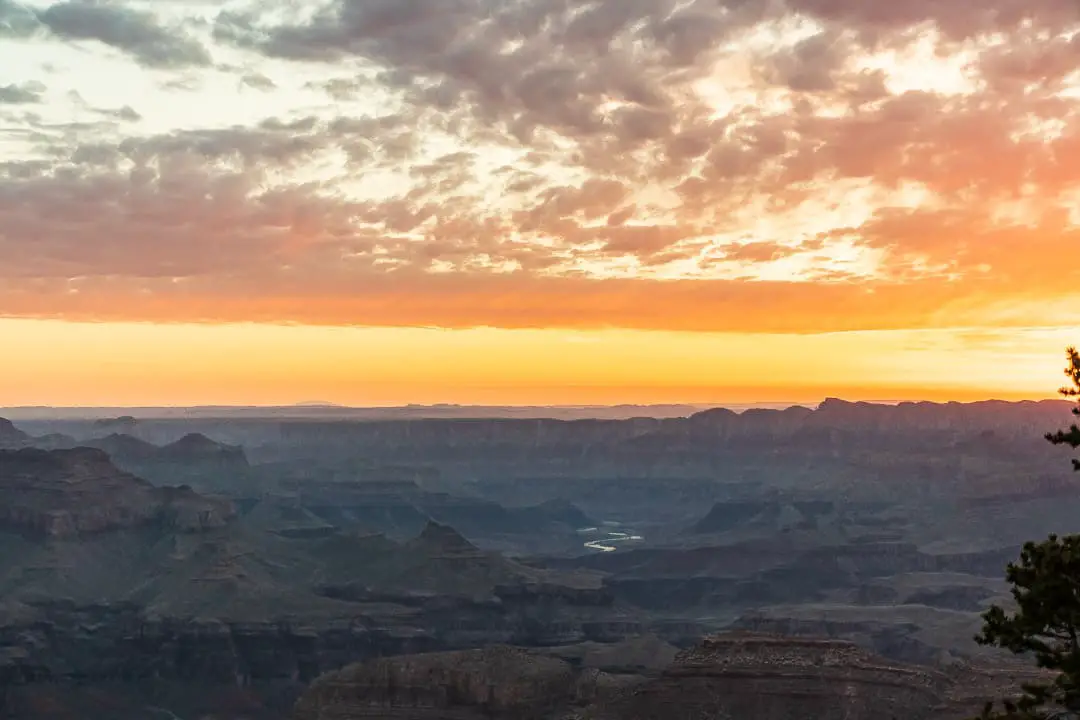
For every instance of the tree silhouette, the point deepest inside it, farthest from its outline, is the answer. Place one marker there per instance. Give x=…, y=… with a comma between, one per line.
x=1070, y=437
x=1046, y=589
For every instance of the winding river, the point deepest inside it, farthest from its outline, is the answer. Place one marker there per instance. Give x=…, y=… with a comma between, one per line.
x=608, y=537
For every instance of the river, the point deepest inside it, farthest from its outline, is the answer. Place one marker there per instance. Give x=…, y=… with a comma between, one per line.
x=608, y=537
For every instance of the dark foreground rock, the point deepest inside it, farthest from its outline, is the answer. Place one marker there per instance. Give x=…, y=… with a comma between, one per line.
x=777, y=678
x=495, y=682
x=738, y=675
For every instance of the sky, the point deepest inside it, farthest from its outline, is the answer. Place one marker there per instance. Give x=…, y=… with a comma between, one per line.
x=536, y=201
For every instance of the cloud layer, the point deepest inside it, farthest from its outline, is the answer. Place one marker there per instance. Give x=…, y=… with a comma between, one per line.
x=799, y=166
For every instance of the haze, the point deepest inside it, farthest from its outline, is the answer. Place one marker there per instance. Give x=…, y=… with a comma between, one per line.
x=523, y=202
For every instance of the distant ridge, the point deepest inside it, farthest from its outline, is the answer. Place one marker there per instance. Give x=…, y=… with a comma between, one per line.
x=330, y=411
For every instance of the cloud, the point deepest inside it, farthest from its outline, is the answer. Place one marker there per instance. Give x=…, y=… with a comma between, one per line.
x=16, y=21
x=258, y=81
x=137, y=33
x=125, y=113
x=955, y=19
x=343, y=88
x=186, y=228
x=798, y=166
x=526, y=65
x=27, y=94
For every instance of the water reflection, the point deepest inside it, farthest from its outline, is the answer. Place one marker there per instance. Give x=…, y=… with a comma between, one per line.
x=608, y=537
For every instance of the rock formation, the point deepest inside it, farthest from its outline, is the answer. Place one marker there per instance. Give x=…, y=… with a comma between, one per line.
x=11, y=436
x=1023, y=419
x=495, y=682
x=775, y=678
x=735, y=675
x=196, y=447
x=888, y=526
x=194, y=459
x=70, y=493
x=124, y=448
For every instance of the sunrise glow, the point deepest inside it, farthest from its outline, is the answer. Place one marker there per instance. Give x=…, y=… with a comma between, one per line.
x=533, y=202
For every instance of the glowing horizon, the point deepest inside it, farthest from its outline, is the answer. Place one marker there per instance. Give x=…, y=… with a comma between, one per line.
x=150, y=365
x=535, y=203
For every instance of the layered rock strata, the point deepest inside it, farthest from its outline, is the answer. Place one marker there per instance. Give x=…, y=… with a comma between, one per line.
x=70, y=493
x=495, y=682
x=777, y=678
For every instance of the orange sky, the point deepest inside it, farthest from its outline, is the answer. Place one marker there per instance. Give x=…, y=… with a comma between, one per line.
x=535, y=202
x=62, y=363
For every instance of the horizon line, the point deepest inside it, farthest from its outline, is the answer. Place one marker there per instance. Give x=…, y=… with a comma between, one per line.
x=529, y=406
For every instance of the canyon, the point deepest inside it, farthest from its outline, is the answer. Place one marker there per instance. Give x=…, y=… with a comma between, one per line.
x=804, y=560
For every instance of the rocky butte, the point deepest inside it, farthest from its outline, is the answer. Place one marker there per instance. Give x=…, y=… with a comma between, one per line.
x=11, y=436
x=194, y=460
x=494, y=682
x=735, y=675
x=403, y=544
x=71, y=493
x=111, y=587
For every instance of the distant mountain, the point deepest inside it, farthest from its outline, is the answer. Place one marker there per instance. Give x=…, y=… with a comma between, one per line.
x=365, y=538
x=79, y=492
x=328, y=410
x=194, y=459
x=11, y=436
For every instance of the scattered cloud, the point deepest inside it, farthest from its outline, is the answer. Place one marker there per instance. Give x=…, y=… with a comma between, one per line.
x=16, y=20
x=798, y=166
x=21, y=94
x=135, y=32
x=258, y=81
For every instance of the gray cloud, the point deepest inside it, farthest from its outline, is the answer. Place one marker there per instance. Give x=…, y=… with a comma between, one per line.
x=258, y=81
x=811, y=65
x=956, y=19
x=134, y=32
x=16, y=21
x=125, y=113
x=592, y=101
x=158, y=208
x=21, y=94
x=273, y=143
x=527, y=65
x=343, y=88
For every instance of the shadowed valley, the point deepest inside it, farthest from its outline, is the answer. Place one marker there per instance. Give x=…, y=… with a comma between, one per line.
x=824, y=562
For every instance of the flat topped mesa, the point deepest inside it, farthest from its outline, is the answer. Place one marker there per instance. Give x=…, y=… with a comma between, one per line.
x=777, y=678
x=749, y=650
x=758, y=648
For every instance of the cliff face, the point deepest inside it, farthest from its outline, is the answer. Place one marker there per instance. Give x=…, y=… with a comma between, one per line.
x=11, y=436
x=243, y=610
x=777, y=678
x=736, y=675
x=194, y=460
x=69, y=493
x=197, y=447
x=824, y=528
x=1024, y=419
x=58, y=659
x=52, y=647
x=58, y=641
x=495, y=682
